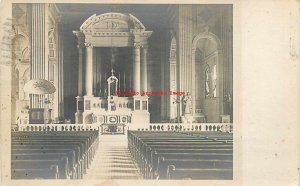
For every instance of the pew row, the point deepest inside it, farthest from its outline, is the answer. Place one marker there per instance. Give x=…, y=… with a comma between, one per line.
x=205, y=156
x=52, y=155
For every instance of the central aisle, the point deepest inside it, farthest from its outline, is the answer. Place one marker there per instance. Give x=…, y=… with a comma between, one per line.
x=112, y=160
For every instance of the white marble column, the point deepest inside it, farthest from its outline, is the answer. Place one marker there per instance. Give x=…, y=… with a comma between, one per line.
x=136, y=68
x=89, y=70
x=144, y=68
x=80, y=70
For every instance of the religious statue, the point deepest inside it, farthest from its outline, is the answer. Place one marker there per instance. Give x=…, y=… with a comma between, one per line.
x=187, y=102
x=228, y=102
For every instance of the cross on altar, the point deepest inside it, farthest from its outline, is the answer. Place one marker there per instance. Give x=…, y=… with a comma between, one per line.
x=112, y=72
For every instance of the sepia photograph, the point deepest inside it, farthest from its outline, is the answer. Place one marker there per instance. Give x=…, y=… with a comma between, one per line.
x=150, y=93
x=122, y=91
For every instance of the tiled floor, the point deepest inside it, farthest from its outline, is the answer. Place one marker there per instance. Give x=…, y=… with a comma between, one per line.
x=112, y=160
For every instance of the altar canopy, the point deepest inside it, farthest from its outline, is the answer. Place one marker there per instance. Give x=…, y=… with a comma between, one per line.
x=97, y=100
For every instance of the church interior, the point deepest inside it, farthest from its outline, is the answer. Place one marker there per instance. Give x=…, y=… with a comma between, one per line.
x=122, y=91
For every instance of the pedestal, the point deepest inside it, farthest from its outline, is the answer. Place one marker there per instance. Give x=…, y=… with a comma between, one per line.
x=78, y=117
x=80, y=108
x=87, y=113
x=140, y=113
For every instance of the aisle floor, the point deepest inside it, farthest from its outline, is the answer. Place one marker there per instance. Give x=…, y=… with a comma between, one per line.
x=112, y=160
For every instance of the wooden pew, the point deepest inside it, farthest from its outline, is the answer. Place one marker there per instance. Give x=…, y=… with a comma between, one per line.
x=77, y=147
x=155, y=151
x=50, y=172
x=196, y=174
x=164, y=164
x=43, y=143
x=89, y=153
x=62, y=164
x=147, y=148
x=144, y=153
x=156, y=161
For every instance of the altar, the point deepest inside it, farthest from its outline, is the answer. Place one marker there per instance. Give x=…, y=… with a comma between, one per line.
x=114, y=45
x=114, y=109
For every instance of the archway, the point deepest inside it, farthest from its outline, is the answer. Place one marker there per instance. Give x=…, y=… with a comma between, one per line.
x=207, y=84
x=111, y=32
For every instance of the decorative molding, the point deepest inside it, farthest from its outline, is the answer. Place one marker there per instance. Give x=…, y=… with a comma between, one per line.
x=112, y=15
x=110, y=34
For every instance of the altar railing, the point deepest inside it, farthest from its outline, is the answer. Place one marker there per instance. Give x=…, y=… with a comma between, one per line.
x=58, y=127
x=221, y=127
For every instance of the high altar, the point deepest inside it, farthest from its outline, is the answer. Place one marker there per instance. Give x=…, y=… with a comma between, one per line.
x=114, y=30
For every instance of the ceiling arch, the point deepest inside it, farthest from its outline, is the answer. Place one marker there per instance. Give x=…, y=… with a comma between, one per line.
x=112, y=21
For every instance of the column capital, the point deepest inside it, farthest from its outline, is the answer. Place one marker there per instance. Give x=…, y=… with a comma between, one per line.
x=80, y=39
x=78, y=34
x=80, y=46
x=88, y=45
x=137, y=45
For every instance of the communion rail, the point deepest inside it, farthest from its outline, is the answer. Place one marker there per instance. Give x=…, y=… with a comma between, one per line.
x=222, y=127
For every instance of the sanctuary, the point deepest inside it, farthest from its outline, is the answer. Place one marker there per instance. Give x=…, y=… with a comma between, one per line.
x=122, y=67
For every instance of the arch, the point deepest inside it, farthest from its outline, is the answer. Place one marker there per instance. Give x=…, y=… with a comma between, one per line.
x=113, y=30
x=92, y=21
x=20, y=47
x=19, y=32
x=215, y=52
x=207, y=35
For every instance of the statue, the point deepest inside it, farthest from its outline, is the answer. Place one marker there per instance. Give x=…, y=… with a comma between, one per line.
x=187, y=102
x=228, y=103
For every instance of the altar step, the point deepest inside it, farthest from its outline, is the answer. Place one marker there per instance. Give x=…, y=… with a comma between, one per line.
x=113, y=160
